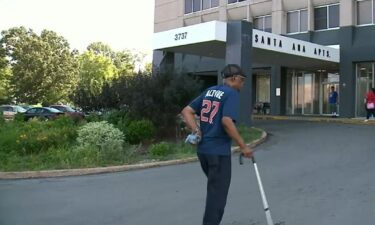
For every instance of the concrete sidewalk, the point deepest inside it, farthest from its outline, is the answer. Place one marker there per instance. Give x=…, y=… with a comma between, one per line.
x=324, y=119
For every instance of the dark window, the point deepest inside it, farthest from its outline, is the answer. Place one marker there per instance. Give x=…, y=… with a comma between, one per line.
x=188, y=6
x=234, y=1
x=206, y=4
x=327, y=17
x=334, y=16
x=292, y=25
x=258, y=23
x=214, y=3
x=320, y=22
x=268, y=24
x=263, y=23
x=303, y=20
x=196, y=5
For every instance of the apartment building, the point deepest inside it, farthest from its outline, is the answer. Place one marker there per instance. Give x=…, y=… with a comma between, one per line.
x=293, y=50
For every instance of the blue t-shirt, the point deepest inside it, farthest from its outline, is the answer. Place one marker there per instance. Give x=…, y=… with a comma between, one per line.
x=212, y=105
x=332, y=97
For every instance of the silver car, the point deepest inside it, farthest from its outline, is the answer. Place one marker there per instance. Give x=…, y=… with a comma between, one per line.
x=9, y=111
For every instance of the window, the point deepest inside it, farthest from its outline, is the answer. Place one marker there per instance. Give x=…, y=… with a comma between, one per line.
x=188, y=6
x=235, y=1
x=327, y=17
x=198, y=5
x=365, y=12
x=263, y=23
x=297, y=21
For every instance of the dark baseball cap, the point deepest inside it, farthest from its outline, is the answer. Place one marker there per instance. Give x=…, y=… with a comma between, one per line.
x=232, y=70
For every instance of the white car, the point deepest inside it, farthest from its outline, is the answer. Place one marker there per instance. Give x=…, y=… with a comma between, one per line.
x=9, y=111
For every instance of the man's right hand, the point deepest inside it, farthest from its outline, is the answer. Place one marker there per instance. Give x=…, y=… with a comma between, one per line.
x=247, y=152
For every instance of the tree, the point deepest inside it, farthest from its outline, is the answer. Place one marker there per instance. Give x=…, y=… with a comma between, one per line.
x=123, y=60
x=5, y=74
x=43, y=67
x=95, y=70
x=148, y=68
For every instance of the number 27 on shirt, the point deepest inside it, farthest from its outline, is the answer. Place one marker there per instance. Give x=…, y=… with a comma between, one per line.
x=209, y=110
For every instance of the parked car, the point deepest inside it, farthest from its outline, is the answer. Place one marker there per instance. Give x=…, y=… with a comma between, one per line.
x=9, y=111
x=26, y=107
x=44, y=113
x=69, y=111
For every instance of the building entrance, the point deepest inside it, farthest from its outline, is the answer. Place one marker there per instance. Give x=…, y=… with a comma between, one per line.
x=326, y=89
x=365, y=81
x=307, y=92
x=262, y=84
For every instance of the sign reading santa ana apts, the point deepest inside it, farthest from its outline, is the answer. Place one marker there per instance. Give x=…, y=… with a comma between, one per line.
x=278, y=43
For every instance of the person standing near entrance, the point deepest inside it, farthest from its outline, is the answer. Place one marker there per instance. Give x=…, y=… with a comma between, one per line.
x=217, y=107
x=332, y=100
x=370, y=104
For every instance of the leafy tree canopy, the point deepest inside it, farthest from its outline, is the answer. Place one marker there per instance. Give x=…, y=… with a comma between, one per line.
x=44, y=69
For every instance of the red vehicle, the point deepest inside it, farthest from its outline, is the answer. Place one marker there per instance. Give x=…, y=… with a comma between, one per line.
x=68, y=111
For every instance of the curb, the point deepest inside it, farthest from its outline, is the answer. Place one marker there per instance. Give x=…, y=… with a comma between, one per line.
x=316, y=119
x=110, y=169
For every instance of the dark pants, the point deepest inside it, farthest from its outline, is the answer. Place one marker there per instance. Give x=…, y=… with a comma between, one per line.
x=218, y=170
x=370, y=112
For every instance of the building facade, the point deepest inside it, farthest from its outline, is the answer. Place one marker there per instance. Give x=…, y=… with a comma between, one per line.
x=283, y=81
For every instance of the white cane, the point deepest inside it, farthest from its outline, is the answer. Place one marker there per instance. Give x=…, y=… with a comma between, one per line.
x=264, y=199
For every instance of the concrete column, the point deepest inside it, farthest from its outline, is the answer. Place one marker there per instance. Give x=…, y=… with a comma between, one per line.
x=275, y=84
x=347, y=13
x=278, y=17
x=310, y=15
x=223, y=10
x=238, y=51
x=347, y=73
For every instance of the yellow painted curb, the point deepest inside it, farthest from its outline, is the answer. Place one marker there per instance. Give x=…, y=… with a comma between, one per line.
x=110, y=169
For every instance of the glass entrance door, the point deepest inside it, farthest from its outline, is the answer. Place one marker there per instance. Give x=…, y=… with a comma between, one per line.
x=365, y=80
x=302, y=93
x=326, y=89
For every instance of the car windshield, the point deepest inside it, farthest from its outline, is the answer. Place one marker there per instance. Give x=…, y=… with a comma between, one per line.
x=20, y=109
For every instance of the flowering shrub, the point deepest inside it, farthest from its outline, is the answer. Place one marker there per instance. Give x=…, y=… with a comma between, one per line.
x=36, y=136
x=100, y=135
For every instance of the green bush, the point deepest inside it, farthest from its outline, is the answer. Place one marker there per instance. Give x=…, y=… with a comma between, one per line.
x=2, y=120
x=19, y=117
x=161, y=149
x=100, y=135
x=139, y=131
x=93, y=117
x=36, y=136
x=115, y=116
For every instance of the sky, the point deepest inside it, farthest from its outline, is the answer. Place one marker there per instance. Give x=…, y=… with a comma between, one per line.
x=121, y=24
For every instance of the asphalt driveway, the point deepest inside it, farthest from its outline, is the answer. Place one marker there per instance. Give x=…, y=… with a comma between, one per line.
x=313, y=174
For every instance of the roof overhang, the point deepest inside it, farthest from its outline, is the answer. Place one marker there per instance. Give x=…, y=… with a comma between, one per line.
x=209, y=39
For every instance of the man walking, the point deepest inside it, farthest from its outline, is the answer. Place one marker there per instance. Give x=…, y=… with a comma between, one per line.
x=217, y=107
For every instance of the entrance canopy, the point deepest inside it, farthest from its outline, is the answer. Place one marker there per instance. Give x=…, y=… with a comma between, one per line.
x=209, y=39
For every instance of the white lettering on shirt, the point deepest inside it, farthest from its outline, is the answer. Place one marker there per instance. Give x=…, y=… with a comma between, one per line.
x=215, y=93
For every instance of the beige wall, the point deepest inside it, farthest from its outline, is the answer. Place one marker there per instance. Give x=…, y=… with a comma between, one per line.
x=169, y=14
